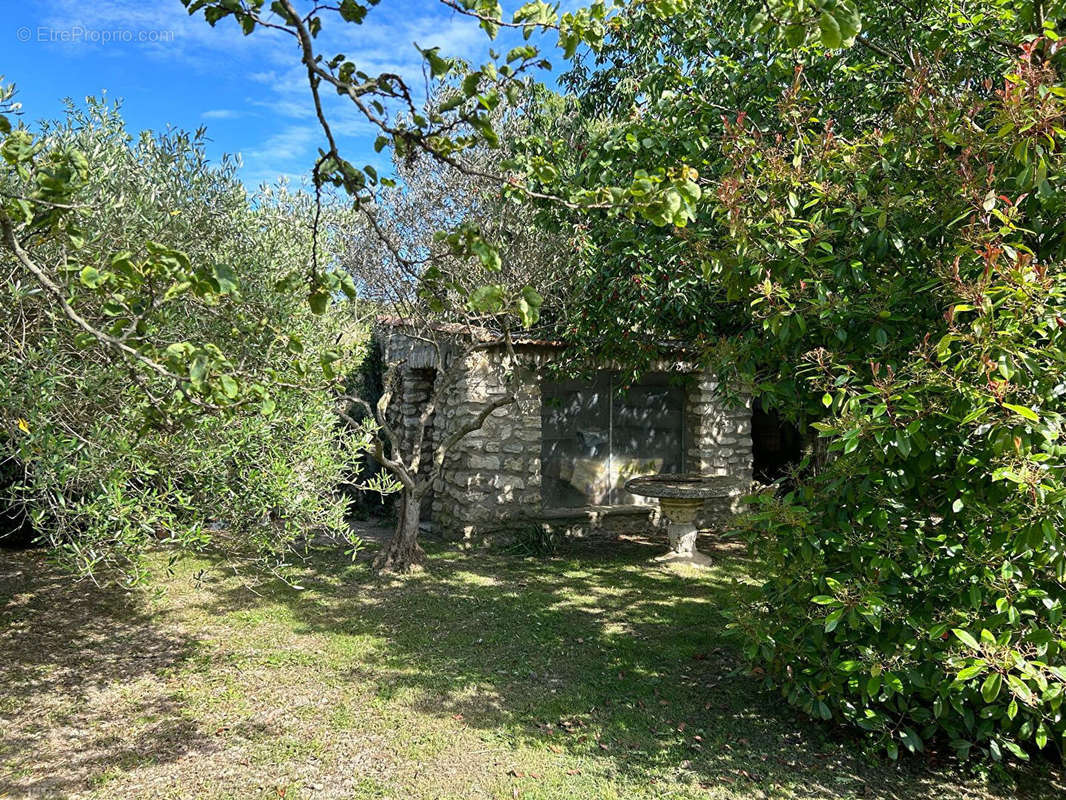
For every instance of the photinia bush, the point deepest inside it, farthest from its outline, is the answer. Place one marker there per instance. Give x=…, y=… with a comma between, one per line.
x=877, y=253
x=914, y=581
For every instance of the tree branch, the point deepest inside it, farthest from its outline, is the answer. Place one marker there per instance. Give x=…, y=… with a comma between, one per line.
x=459, y=434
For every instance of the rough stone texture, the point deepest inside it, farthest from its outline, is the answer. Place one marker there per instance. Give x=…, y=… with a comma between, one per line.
x=491, y=480
x=719, y=444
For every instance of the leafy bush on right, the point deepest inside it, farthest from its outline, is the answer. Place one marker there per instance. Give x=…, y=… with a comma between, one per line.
x=914, y=578
x=877, y=251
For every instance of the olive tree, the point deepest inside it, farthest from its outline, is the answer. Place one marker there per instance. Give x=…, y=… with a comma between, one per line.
x=158, y=391
x=458, y=290
x=431, y=292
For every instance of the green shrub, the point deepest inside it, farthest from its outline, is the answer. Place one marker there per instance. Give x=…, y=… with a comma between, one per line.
x=111, y=457
x=915, y=628
x=877, y=248
x=915, y=580
x=534, y=539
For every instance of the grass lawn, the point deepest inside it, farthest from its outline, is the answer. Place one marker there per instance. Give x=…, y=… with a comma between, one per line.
x=592, y=674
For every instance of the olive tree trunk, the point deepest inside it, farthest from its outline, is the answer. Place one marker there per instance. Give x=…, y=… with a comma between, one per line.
x=414, y=469
x=403, y=553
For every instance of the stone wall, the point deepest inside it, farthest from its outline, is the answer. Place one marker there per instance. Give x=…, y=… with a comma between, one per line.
x=719, y=444
x=491, y=480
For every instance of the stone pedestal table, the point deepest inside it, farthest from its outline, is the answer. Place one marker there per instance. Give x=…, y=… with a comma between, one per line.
x=681, y=497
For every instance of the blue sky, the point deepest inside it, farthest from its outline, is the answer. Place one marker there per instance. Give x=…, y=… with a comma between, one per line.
x=250, y=92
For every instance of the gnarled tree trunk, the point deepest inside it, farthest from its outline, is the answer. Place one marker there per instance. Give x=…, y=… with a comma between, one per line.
x=414, y=463
x=403, y=553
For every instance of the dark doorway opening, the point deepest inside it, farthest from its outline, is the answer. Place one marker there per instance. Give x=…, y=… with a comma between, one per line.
x=777, y=445
x=16, y=529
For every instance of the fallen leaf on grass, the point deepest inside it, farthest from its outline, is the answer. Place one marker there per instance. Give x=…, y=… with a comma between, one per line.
x=517, y=773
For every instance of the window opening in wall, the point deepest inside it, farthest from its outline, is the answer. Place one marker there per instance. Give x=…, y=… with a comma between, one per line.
x=596, y=435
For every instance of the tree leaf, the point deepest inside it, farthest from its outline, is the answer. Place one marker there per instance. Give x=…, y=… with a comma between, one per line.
x=990, y=688
x=830, y=28
x=91, y=277
x=229, y=386
x=318, y=300
x=966, y=638
x=1023, y=411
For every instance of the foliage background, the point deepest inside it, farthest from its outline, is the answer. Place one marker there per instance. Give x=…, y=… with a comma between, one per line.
x=104, y=460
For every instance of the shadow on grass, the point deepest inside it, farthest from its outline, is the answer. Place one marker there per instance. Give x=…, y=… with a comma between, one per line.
x=70, y=653
x=599, y=654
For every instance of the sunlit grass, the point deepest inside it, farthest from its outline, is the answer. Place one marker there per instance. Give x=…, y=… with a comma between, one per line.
x=594, y=674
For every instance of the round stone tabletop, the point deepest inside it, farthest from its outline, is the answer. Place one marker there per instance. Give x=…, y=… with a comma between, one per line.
x=681, y=487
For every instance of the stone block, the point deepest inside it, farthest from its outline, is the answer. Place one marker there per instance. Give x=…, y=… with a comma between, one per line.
x=485, y=462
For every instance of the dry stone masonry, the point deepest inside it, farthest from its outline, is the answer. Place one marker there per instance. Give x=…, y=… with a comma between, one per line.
x=491, y=481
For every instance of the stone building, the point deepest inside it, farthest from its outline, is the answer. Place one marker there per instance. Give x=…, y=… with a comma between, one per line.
x=560, y=454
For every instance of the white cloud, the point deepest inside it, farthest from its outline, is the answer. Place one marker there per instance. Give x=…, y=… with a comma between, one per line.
x=160, y=29
x=288, y=143
x=222, y=113
x=288, y=152
x=253, y=179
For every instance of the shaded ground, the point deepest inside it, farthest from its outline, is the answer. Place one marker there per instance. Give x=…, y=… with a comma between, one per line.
x=588, y=675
